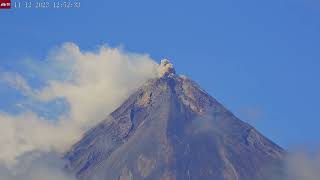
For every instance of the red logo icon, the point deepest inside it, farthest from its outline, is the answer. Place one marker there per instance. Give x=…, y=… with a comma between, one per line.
x=5, y=4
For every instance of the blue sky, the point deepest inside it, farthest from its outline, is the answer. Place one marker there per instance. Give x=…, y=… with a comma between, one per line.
x=260, y=59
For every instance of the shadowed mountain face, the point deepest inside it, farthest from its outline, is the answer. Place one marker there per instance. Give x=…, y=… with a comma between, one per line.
x=170, y=129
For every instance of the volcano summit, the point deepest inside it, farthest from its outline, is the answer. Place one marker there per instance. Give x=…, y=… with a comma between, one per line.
x=171, y=129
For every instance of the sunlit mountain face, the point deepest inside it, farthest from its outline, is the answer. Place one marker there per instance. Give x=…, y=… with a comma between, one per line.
x=171, y=129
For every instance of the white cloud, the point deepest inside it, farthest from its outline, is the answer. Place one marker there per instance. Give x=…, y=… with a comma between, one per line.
x=94, y=84
x=301, y=165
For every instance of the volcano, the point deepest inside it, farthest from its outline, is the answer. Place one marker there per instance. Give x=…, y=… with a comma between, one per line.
x=171, y=129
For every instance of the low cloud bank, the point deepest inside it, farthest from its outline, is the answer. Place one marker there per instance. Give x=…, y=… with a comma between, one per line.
x=91, y=84
x=36, y=166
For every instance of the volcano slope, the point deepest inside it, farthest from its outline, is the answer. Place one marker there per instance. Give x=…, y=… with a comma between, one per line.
x=170, y=129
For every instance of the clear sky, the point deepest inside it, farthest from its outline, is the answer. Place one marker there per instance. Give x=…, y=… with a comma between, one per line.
x=261, y=59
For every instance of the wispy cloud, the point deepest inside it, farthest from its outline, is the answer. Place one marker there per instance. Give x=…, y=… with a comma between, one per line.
x=250, y=114
x=17, y=82
x=303, y=165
